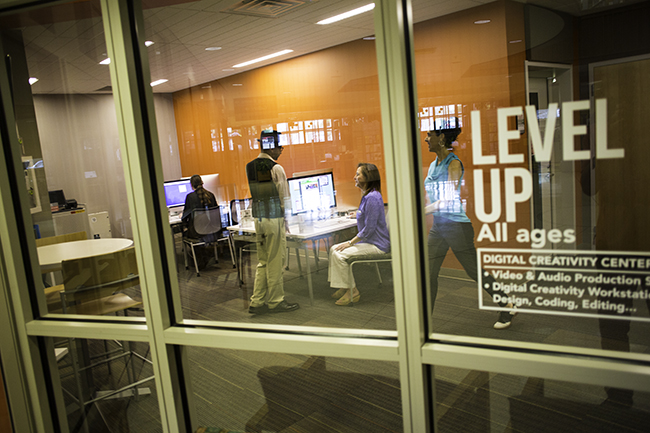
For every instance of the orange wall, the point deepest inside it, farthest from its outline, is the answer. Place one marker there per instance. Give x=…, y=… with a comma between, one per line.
x=338, y=84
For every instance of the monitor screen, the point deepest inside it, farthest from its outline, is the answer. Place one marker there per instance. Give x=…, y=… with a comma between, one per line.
x=57, y=196
x=175, y=192
x=312, y=193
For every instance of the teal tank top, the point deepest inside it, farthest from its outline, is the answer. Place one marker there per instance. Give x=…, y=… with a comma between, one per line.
x=438, y=187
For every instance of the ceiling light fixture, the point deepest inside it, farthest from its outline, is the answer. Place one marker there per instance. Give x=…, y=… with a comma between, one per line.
x=32, y=80
x=212, y=48
x=228, y=70
x=148, y=43
x=237, y=85
x=261, y=59
x=516, y=41
x=481, y=21
x=349, y=14
x=106, y=61
x=155, y=83
x=369, y=38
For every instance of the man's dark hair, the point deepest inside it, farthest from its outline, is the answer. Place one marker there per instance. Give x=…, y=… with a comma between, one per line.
x=269, y=138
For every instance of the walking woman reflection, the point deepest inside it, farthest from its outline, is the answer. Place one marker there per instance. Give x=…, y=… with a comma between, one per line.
x=451, y=226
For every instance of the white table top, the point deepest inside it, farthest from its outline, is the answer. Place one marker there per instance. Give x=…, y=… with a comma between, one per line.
x=53, y=255
x=310, y=232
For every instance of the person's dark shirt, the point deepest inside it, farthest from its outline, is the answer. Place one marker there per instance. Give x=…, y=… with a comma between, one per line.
x=200, y=198
x=266, y=199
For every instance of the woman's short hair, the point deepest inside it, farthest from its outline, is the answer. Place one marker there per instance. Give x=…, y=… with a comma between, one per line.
x=196, y=181
x=371, y=173
x=451, y=134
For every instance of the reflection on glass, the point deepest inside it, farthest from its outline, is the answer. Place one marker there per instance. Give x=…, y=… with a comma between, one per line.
x=323, y=99
x=481, y=401
x=253, y=391
x=107, y=386
x=548, y=162
x=67, y=128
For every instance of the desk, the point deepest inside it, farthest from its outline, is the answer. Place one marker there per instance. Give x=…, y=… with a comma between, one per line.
x=51, y=256
x=299, y=240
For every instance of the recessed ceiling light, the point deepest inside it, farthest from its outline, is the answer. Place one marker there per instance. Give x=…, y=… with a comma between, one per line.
x=369, y=38
x=349, y=14
x=228, y=70
x=261, y=59
x=155, y=83
x=212, y=48
x=106, y=61
x=148, y=43
x=516, y=41
x=237, y=85
x=32, y=80
x=481, y=21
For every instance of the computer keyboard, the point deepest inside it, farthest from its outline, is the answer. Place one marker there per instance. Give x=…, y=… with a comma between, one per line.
x=321, y=224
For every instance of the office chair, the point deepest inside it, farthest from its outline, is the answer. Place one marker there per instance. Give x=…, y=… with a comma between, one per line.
x=208, y=223
x=374, y=258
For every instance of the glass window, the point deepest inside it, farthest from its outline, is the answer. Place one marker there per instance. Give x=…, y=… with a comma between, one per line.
x=72, y=162
x=472, y=400
x=228, y=75
x=107, y=385
x=531, y=130
x=260, y=391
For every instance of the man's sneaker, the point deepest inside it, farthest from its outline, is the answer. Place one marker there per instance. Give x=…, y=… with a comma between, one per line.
x=505, y=318
x=262, y=309
x=284, y=307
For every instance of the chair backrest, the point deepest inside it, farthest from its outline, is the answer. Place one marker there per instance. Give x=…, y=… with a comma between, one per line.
x=69, y=237
x=207, y=221
x=97, y=277
x=236, y=208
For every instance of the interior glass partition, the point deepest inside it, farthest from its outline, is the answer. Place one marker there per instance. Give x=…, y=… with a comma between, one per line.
x=216, y=93
x=529, y=152
x=260, y=391
x=71, y=159
x=475, y=400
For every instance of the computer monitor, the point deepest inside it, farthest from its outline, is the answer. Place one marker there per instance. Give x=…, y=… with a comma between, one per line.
x=58, y=197
x=175, y=192
x=312, y=192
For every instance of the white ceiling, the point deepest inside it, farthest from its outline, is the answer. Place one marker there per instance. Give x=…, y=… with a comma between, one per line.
x=65, y=55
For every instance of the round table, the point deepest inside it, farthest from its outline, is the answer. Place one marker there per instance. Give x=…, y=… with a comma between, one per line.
x=51, y=256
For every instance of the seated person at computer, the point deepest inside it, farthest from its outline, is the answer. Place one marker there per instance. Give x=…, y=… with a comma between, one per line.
x=372, y=237
x=199, y=198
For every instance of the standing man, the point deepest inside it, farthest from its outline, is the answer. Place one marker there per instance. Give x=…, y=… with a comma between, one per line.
x=270, y=197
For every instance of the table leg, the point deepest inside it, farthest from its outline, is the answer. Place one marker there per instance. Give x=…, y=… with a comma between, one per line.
x=309, y=285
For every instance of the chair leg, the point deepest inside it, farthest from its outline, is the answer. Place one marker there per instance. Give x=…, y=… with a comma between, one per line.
x=298, y=260
x=216, y=256
x=286, y=262
x=185, y=254
x=378, y=273
x=232, y=253
x=196, y=266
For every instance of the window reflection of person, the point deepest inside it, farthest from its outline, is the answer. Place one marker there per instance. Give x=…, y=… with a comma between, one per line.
x=371, y=239
x=451, y=227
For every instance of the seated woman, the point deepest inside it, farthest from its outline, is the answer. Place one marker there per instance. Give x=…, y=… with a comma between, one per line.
x=372, y=237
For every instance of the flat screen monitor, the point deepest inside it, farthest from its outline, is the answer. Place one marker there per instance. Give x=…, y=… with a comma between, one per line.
x=312, y=193
x=58, y=197
x=175, y=192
